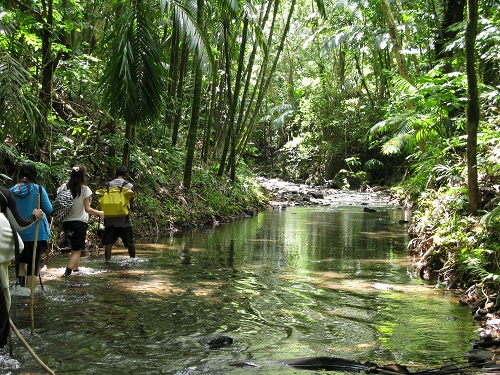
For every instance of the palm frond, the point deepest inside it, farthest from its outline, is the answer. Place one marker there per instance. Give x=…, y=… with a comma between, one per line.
x=18, y=106
x=401, y=84
x=232, y=4
x=321, y=7
x=398, y=144
x=134, y=75
x=280, y=114
x=493, y=217
x=394, y=124
x=196, y=38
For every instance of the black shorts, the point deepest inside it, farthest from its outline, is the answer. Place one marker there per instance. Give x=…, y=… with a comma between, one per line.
x=76, y=234
x=112, y=233
x=26, y=255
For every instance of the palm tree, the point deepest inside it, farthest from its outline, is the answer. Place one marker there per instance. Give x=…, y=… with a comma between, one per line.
x=134, y=76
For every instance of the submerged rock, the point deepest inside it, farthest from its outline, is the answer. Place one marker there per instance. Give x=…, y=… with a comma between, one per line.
x=220, y=342
x=326, y=363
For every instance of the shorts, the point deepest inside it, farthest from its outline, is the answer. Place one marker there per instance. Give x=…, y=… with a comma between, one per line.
x=26, y=255
x=112, y=233
x=76, y=234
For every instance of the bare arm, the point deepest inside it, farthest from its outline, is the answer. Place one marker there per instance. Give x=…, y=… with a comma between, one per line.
x=90, y=210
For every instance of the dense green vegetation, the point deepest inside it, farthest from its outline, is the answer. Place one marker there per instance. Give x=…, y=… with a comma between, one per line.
x=196, y=96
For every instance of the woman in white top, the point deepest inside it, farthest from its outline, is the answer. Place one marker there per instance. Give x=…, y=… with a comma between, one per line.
x=75, y=225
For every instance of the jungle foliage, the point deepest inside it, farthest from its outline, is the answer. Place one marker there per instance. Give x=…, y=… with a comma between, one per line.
x=193, y=95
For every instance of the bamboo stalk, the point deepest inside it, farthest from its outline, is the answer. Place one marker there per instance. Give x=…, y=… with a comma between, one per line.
x=26, y=345
x=33, y=272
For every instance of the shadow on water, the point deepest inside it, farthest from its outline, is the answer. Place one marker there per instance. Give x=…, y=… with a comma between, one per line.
x=301, y=282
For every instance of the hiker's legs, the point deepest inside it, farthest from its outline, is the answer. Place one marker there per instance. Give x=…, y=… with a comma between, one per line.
x=107, y=251
x=127, y=235
x=131, y=251
x=28, y=263
x=4, y=282
x=4, y=321
x=76, y=267
x=23, y=271
x=24, y=261
x=108, y=240
x=76, y=232
x=74, y=259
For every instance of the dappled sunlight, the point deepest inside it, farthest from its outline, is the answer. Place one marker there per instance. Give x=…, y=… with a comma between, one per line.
x=139, y=281
x=345, y=285
x=385, y=234
x=329, y=275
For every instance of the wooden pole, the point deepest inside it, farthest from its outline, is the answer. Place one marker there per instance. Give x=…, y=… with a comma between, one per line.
x=26, y=345
x=33, y=266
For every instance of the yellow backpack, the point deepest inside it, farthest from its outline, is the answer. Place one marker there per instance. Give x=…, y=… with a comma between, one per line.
x=115, y=200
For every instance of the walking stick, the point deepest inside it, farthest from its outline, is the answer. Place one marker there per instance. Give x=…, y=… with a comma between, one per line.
x=51, y=247
x=33, y=272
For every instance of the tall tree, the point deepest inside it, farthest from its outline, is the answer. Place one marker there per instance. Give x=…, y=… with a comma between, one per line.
x=472, y=107
x=266, y=73
x=195, y=109
x=396, y=39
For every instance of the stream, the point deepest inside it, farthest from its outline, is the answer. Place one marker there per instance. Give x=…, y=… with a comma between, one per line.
x=325, y=280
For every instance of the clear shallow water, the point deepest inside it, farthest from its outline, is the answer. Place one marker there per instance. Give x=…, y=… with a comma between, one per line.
x=323, y=281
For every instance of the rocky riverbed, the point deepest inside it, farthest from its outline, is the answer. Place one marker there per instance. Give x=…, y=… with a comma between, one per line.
x=283, y=194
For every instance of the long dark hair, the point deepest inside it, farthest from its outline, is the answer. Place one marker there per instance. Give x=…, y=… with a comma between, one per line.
x=77, y=180
x=27, y=173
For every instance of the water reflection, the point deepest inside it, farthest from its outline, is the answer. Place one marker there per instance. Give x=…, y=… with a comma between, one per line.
x=324, y=281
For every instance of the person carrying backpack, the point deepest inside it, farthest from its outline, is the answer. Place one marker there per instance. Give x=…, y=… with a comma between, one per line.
x=75, y=223
x=13, y=220
x=119, y=226
x=26, y=193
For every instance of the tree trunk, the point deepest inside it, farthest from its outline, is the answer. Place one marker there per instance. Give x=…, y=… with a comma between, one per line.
x=229, y=134
x=179, y=95
x=195, y=112
x=266, y=80
x=396, y=39
x=172, y=104
x=408, y=38
x=453, y=13
x=248, y=103
x=472, y=108
x=234, y=106
x=210, y=120
x=49, y=64
x=341, y=67
x=126, y=146
x=219, y=121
